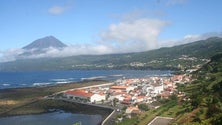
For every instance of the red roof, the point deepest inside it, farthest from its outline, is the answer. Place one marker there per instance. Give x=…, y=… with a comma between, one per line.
x=129, y=81
x=140, y=97
x=118, y=87
x=80, y=93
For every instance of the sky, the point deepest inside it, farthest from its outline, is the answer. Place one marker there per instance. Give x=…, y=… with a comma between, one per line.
x=106, y=26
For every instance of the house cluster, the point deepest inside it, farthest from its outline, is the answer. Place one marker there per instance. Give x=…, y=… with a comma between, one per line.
x=186, y=57
x=130, y=91
x=136, y=91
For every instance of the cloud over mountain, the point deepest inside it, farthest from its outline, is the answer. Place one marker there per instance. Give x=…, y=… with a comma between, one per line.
x=135, y=35
x=91, y=49
x=188, y=38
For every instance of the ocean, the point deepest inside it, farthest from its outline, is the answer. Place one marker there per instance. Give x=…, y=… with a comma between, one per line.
x=41, y=78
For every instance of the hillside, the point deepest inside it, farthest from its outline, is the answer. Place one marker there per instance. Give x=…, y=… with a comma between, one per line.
x=198, y=102
x=185, y=56
x=205, y=104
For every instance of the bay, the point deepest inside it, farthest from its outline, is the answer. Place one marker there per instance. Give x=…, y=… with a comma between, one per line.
x=39, y=78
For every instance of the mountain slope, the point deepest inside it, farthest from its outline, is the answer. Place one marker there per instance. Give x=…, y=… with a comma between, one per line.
x=178, y=57
x=205, y=104
x=46, y=42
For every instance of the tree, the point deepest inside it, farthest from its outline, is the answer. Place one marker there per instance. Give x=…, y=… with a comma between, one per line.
x=115, y=100
x=212, y=109
x=217, y=119
x=180, y=87
x=174, y=97
x=197, y=117
x=143, y=107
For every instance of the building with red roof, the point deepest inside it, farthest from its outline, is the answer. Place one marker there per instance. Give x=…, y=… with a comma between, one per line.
x=84, y=96
x=119, y=87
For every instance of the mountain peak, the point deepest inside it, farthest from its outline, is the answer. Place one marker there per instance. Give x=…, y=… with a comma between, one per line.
x=45, y=42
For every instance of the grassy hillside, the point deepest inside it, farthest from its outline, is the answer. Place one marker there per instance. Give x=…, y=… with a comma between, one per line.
x=205, y=93
x=177, y=57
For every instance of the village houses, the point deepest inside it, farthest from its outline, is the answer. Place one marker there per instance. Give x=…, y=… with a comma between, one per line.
x=130, y=91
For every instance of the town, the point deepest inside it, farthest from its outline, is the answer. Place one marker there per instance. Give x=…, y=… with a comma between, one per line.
x=124, y=95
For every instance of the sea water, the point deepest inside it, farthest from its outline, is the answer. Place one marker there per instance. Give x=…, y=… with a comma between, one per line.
x=41, y=78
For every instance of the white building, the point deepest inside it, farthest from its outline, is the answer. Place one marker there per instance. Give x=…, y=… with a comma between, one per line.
x=157, y=88
x=97, y=97
x=84, y=96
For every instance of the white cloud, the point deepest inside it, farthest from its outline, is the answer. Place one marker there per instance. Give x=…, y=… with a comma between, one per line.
x=84, y=49
x=134, y=35
x=87, y=49
x=56, y=10
x=59, y=9
x=10, y=55
x=189, y=38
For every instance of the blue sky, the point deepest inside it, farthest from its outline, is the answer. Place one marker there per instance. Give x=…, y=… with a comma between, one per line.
x=106, y=26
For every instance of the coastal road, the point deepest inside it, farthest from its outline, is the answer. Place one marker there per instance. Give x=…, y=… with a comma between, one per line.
x=100, y=85
x=109, y=120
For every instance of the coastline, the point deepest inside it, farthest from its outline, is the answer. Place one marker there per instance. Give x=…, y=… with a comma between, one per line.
x=30, y=100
